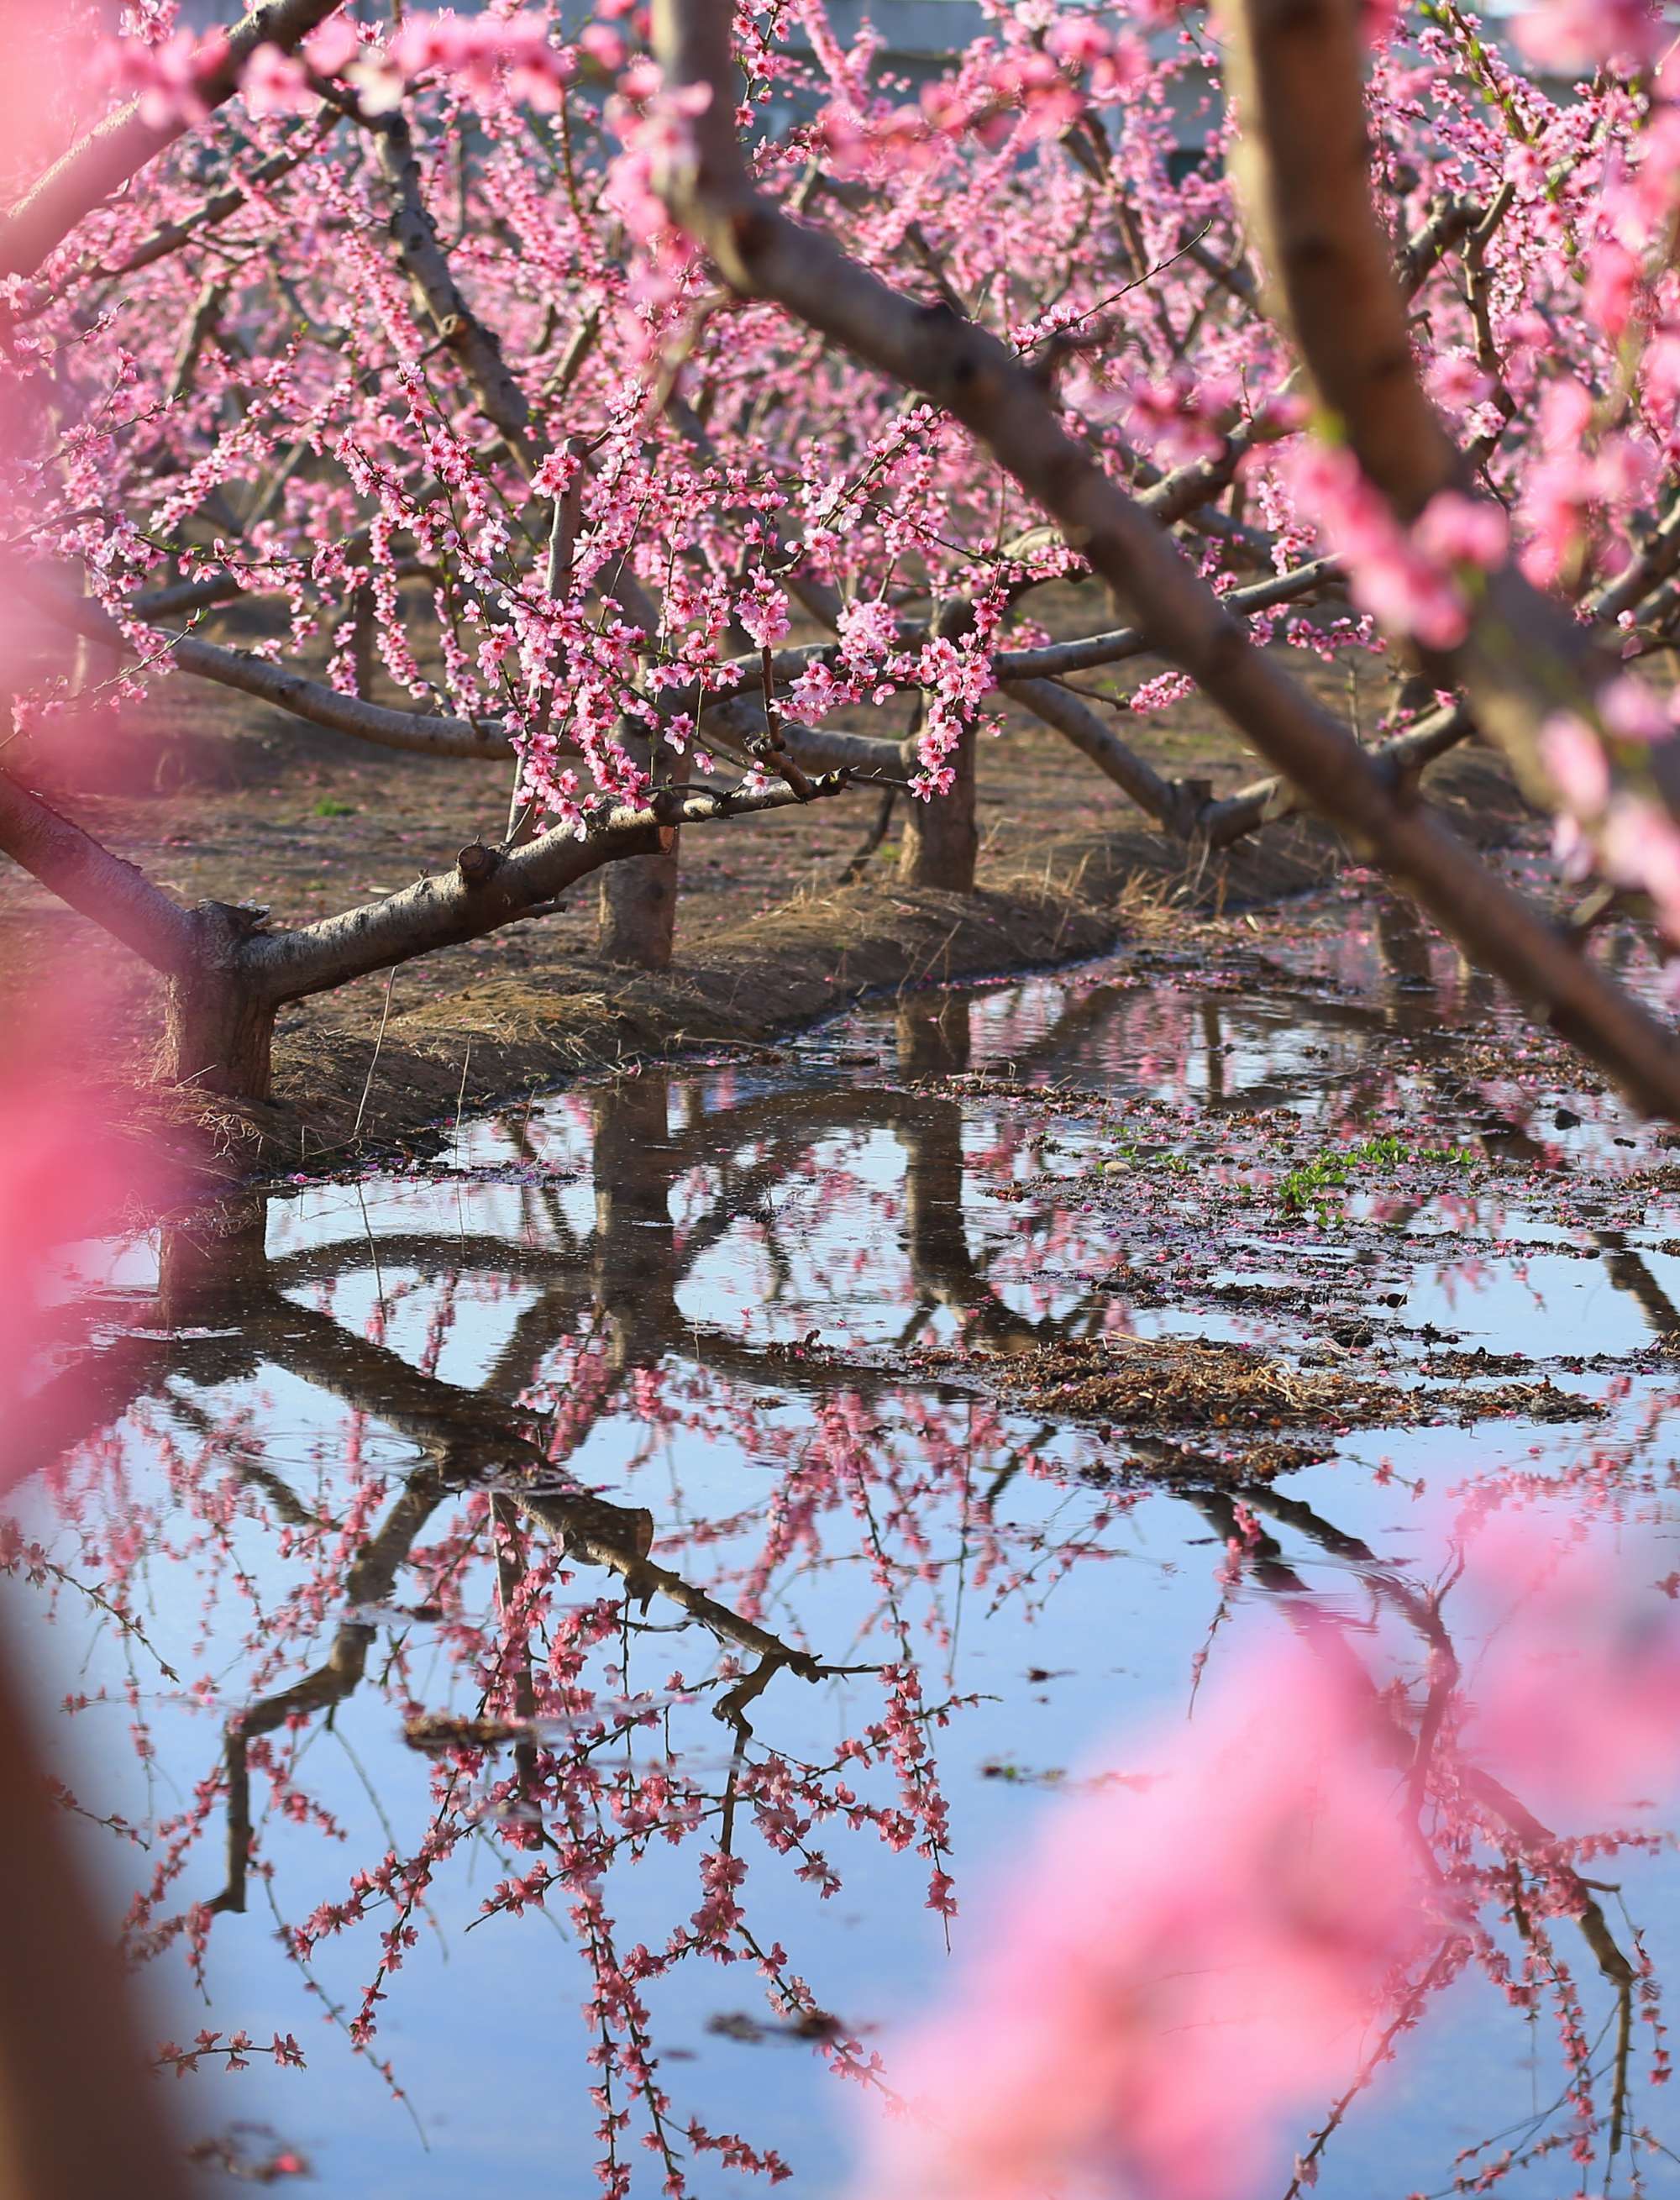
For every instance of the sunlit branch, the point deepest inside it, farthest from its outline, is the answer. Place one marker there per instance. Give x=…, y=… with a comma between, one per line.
x=1296, y=73
x=762, y=253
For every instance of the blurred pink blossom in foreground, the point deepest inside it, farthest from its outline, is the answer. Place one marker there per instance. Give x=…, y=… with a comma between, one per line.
x=1577, y=1696
x=1176, y=1970
x=67, y=1171
x=64, y=1175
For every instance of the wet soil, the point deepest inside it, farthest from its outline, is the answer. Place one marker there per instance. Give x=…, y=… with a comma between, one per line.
x=218, y=799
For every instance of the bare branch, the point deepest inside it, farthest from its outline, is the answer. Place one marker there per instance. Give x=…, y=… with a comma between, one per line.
x=1451, y=222
x=79, y=870
x=1057, y=658
x=321, y=705
x=292, y=692
x=1163, y=801
x=487, y=888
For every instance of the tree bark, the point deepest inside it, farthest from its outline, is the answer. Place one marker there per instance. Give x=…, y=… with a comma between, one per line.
x=941, y=839
x=638, y=910
x=638, y=895
x=219, y=1019
x=501, y=401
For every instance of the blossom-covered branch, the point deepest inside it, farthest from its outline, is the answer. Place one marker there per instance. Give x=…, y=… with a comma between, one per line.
x=763, y=253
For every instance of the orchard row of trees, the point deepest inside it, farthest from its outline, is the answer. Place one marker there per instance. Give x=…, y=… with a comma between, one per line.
x=636, y=403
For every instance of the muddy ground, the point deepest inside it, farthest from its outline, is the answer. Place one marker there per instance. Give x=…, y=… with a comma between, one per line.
x=1251, y=1192
x=220, y=799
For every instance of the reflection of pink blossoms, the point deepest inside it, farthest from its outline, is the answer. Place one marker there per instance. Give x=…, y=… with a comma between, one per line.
x=1178, y=1968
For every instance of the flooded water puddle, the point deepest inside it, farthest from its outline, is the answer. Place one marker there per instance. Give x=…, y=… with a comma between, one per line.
x=566, y=1639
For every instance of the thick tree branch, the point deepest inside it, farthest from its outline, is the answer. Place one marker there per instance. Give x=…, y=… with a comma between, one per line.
x=71, y=864
x=487, y=888
x=322, y=705
x=740, y=721
x=763, y=253
x=1092, y=738
x=1295, y=68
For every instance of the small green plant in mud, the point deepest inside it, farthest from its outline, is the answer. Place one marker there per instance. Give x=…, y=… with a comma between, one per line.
x=331, y=806
x=1124, y=1153
x=1307, y=1188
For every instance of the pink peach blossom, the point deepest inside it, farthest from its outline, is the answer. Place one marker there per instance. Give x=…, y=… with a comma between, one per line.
x=1173, y=1971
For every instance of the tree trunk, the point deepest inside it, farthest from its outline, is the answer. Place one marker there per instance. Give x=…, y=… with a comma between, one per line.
x=941, y=840
x=638, y=910
x=79, y=2112
x=635, y=1241
x=215, y=1254
x=219, y=1025
x=638, y=896
x=96, y=665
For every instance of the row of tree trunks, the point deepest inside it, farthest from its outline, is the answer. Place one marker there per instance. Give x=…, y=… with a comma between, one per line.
x=940, y=848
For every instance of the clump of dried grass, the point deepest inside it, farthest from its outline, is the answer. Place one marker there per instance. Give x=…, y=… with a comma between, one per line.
x=1182, y=1386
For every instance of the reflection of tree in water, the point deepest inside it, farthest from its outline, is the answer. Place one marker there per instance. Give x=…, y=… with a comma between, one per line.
x=543, y=1590
x=1236, y=1047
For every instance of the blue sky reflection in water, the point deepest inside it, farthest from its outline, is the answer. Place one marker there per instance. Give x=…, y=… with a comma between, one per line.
x=590, y=1324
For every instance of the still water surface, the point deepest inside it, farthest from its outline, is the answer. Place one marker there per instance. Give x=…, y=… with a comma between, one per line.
x=617, y=1423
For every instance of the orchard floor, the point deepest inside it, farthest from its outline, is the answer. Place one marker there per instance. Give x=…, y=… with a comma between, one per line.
x=219, y=800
